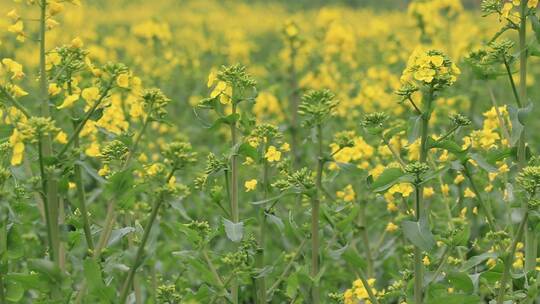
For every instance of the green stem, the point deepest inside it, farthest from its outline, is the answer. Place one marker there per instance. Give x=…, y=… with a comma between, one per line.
x=234, y=191
x=485, y=207
x=46, y=148
x=293, y=107
x=512, y=83
x=140, y=251
x=449, y=133
x=510, y=259
x=365, y=238
x=419, y=189
x=261, y=282
x=285, y=272
x=418, y=268
x=531, y=240
x=315, y=210
x=213, y=269
x=80, y=190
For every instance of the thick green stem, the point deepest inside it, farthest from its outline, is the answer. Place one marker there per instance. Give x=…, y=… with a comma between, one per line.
x=315, y=211
x=510, y=259
x=234, y=192
x=46, y=149
x=418, y=268
x=419, y=189
x=140, y=251
x=531, y=239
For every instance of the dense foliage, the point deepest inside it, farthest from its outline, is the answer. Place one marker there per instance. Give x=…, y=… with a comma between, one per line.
x=267, y=152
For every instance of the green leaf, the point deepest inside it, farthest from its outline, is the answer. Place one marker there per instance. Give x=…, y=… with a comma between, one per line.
x=495, y=156
x=120, y=185
x=454, y=298
x=228, y=120
x=96, y=286
x=29, y=281
x=234, y=231
x=15, y=244
x=460, y=281
x=248, y=151
x=276, y=221
x=47, y=268
x=449, y=145
x=14, y=291
x=387, y=179
x=477, y=259
x=518, y=117
x=414, y=124
x=484, y=164
x=292, y=285
x=353, y=259
x=419, y=234
x=535, y=26
x=352, y=215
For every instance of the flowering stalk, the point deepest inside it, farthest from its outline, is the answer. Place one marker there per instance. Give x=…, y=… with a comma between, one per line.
x=418, y=190
x=80, y=188
x=140, y=250
x=261, y=282
x=315, y=210
x=45, y=148
x=530, y=235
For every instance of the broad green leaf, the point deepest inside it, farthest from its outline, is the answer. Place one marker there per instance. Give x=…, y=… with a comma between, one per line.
x=247, y=150
x=419, y=234
x=276, y=221
x=119, y=185
x=118, y=234
x=483, y=163
x=234, y=231
x=353, y=259
x=477, y=259
x=449, y=145
x=96, y=286
x=387, y=179
x=518, y=117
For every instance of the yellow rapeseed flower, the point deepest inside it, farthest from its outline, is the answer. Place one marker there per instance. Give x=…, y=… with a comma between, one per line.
x=250, y=185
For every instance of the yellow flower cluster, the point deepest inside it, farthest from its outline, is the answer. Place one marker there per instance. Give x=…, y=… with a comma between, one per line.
x=358, y=292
